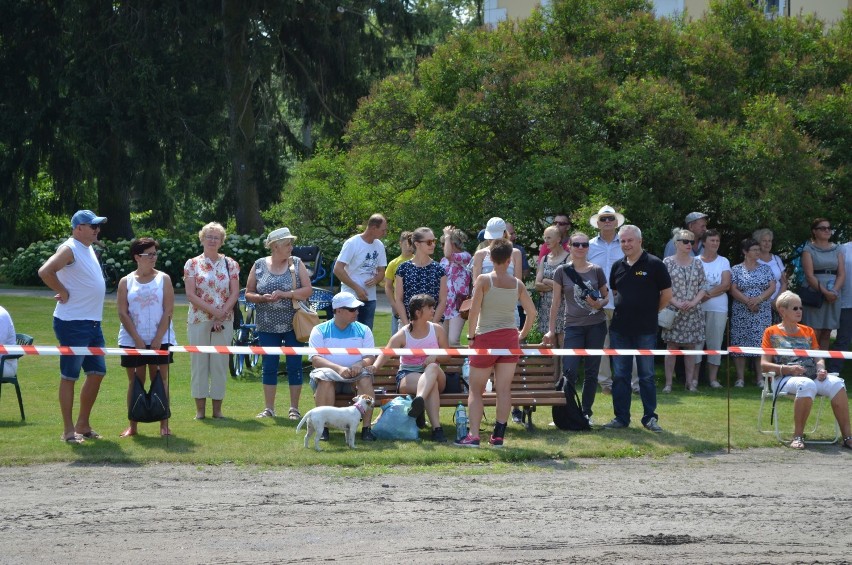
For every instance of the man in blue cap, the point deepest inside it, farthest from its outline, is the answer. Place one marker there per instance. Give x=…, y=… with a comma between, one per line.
x=74, y=273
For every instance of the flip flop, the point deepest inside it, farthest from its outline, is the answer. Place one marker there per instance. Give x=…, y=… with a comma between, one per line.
x=91, y=434
x=75, y=439
x=127, y=433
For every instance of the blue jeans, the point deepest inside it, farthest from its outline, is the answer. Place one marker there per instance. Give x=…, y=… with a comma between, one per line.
x=270, y=362
x=367, y=313
x=79, y=333
x=584, y=337
x=621, y=368
x=841, y=342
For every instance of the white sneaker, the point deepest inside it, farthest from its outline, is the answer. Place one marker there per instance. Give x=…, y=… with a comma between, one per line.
x=739, y=384
x=667, y=389
x=715, y=384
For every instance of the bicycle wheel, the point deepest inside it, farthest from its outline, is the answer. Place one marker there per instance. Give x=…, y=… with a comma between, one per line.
x=111, y=277
x=251, y=339
x=237, y=361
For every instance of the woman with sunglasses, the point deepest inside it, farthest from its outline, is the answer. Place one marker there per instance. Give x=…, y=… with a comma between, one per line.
x=805, y=377
x=823, y=264
x=751, y=286
x=420, y=275
x=545, y=284
x=583, y=318
x=145, y=302
x=688, y=290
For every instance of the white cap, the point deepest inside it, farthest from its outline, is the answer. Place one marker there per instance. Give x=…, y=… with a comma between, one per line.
x=345, y=300
x=495, y=228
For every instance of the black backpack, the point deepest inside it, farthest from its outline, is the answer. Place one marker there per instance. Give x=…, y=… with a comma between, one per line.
x=151, y=406
x=569, y=416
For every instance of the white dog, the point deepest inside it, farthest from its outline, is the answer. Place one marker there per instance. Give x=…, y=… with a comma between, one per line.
x=345, y=419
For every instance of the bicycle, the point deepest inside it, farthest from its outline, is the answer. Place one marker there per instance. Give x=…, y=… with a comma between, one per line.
x=108, y=271
x=245, y=335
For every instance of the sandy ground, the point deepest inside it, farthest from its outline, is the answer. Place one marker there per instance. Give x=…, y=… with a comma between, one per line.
x=757, y=506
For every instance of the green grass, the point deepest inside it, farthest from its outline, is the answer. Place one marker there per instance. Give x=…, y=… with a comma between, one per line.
x=694, y=423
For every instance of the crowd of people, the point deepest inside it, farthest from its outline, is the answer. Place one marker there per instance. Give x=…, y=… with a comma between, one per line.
x=594, y=292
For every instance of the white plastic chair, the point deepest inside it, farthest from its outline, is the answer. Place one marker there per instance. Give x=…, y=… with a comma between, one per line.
x=767, y=396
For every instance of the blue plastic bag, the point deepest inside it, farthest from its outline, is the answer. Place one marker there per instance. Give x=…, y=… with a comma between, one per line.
x=395, y=423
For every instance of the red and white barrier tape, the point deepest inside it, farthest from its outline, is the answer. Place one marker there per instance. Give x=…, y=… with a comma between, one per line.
x=456, y=352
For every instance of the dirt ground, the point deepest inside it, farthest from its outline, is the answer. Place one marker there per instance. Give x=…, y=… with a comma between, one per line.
x=757, y=506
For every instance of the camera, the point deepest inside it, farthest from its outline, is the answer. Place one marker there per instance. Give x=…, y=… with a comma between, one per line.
x=593, y=292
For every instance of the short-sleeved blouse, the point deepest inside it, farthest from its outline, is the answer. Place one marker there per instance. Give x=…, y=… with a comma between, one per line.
x=212, y=284
x=420, y=280
x=458, y=282
x=275, y=317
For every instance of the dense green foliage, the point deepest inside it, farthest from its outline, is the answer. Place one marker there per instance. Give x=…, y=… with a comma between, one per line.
x=590, y=102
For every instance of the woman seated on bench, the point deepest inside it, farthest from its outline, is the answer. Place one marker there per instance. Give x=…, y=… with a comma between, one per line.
x=420, y=375
x=805, y=376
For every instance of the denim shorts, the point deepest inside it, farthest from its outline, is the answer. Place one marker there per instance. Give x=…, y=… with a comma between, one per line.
x=402, y=373
x=79, y=333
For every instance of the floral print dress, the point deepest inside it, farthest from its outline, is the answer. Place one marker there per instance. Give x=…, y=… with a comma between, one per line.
x=687, y=282
x=458, y=282
x=546, y=299
x=747, y=326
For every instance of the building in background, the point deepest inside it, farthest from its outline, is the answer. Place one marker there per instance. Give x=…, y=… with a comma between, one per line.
x=830, y=11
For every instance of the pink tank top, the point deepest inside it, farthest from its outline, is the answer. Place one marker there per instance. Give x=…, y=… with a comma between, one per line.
x=414, y=362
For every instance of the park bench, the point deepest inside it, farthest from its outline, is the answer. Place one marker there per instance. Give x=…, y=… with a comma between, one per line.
x=532, y=386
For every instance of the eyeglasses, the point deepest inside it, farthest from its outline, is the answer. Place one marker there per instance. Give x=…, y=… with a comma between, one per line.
x=687, y=241
x=796, y=308
x=580, y=244
x=348, y=309
x=427, y=241
x=212, y=238
x=555, y=223
x=95, y=227
x=823, y=228
x=606, y=219
x=154, y=254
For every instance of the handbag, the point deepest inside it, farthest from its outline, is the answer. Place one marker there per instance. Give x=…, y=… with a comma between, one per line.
x=666, y=318
x=305, y=319
x=150, y=406
x=394, y=421
x=811, y=297
x=238, y=313
x=464, y=309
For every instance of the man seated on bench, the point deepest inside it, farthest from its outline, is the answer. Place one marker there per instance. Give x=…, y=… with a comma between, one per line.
x=339, y=372
x=419, y=375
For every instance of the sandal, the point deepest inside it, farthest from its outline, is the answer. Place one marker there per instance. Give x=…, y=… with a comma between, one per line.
x=267, y=413
x=798, y=442
x=73, y=439
x=847, y=443
x=91, y=434
x=294, y=414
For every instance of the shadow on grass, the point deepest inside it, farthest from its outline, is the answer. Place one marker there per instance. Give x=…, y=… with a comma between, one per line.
x=101, y=451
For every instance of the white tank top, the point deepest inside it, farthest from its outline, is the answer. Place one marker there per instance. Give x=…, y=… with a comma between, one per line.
x=145, y=304
x=85, y=283
x=488, y=265
x=409, y=362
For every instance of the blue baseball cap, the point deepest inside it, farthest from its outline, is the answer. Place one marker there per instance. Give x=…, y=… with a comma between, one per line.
x=81, y=217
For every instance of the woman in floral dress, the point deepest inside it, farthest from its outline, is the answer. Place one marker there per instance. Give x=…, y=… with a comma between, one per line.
x=687, y=331
x=455, y=263
x=752, y=286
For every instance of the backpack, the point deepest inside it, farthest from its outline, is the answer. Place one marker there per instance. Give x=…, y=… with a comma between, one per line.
x=570, y=416
x=151, y=406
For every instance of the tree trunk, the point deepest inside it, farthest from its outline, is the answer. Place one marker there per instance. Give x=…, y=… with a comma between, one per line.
x=114, y=192
x=241, y=125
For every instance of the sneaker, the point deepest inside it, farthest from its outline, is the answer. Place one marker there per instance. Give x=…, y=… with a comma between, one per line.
x=606, y=391
x=496, y=441
x=467, y=441
x=418, y=405
x=715, y=384
x=267, y=413
x=653, y=426
x=667, y=389
x=739, y=384
x=615, y=424
x=367, y=435
x=420, y=421
x=324, y=435
x=692, y=388
x=636, y=390
x=517, y=416
x=438, y=435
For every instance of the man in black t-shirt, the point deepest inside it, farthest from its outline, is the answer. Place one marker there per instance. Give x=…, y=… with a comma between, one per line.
x=642, y=288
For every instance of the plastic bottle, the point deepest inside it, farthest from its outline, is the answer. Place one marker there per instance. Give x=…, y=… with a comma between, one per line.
x=461, y=422
x=466, y=371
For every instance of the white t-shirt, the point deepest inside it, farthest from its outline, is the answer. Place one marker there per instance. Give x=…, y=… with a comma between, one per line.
x=7, y=337
x=846, y=291
x=327, y=334
x=777, y=267
x=362, y=259
x=85, y=283
x=713, y=274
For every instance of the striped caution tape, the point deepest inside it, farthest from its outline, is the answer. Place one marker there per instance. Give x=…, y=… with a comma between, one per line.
x=455, y=352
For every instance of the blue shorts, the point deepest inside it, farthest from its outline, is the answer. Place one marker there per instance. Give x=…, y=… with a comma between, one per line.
x=79, y=333
x=402, y=373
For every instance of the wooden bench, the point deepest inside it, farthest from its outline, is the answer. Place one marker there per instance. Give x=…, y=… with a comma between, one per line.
x=532, y=386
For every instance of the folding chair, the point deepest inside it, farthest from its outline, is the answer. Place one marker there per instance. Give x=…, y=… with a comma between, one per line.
x=20, y=339
x=311, y=256
x=767, y=396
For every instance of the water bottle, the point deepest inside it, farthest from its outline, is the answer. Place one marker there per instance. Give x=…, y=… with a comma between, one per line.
x=466, y=371
x=461, y=422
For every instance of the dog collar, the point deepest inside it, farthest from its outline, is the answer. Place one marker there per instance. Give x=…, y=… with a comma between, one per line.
x=361, y=410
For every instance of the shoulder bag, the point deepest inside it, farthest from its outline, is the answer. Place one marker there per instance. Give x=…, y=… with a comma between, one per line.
x=305, y=318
